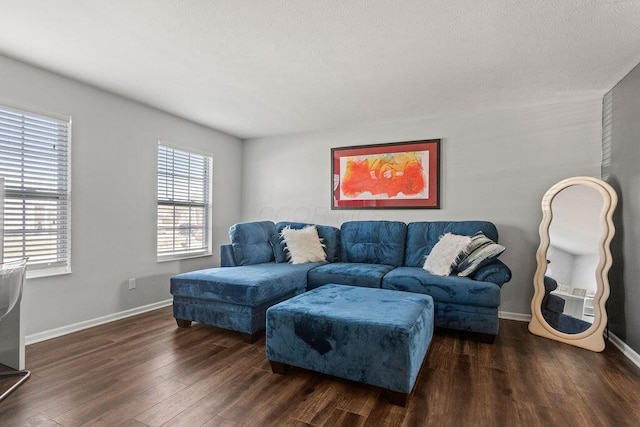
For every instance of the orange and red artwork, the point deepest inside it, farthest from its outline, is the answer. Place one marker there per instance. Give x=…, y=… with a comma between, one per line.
x=386, y=175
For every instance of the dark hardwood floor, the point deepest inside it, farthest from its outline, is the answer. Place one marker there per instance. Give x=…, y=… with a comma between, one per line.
x=144, y=371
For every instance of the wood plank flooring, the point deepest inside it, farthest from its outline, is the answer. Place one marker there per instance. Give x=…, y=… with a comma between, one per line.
x=144, y=371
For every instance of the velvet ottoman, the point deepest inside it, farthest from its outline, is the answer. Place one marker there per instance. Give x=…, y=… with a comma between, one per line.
x=373, y=336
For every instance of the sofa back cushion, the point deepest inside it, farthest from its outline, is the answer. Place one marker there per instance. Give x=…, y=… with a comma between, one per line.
x=250, y=242
x=329, y=236
x=422, y=236
x=373, y=242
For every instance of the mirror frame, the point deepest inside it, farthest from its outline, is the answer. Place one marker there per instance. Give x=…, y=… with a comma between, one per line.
x=592, y=338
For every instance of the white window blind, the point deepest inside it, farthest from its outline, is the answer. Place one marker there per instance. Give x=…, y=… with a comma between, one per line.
x=34, y=161
x=184, y=206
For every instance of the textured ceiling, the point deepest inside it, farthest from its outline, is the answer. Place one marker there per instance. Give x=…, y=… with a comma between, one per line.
x=258, y=68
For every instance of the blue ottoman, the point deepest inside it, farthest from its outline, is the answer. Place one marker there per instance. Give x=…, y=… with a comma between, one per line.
x=374, y=336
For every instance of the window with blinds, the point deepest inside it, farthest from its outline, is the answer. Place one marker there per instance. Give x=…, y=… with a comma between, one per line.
x=184, y=204
x=34, y=161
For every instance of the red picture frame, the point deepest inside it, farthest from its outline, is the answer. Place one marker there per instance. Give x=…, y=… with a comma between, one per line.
x=393, y=176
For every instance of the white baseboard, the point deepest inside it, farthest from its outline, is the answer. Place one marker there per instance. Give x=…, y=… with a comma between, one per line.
x=514, y=316
x=625, y=349
x=64, y=330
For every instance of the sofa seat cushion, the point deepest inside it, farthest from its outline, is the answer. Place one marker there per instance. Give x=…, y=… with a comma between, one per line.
x=348, y=273
x=449, y=289
x=249, y=285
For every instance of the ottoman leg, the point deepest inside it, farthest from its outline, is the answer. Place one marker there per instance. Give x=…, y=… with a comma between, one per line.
x=397, y=398
x=183, y=323
x=278, y=368
x=487, y=338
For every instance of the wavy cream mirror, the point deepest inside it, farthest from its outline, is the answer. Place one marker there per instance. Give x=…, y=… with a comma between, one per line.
x=573, y=261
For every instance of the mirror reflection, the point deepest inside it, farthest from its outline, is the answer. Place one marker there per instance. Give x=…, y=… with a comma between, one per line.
x=572, y=259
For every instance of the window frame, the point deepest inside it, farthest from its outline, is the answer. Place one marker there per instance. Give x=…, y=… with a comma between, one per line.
x=64, y=266
x=208, y=206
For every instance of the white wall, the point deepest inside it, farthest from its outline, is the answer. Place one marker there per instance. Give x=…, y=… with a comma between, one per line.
x=496, y=166
x=575, y=271
x=622, y=171
x=560, y=265
x=584, y=272
x=113, y=221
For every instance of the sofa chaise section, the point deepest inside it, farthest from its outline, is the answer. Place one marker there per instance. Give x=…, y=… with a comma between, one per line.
x=237, y=298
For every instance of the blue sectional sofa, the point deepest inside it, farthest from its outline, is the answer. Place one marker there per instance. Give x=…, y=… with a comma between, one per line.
x=255, y=274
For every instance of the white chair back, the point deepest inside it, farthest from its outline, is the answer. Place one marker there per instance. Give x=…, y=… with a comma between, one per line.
x=11, y=280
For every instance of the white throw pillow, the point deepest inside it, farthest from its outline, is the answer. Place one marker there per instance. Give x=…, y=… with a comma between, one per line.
x=303, y=245
x=445, y=254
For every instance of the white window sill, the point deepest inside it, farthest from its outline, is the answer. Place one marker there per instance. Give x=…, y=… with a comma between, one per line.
x=36, y=274
x=168, y=258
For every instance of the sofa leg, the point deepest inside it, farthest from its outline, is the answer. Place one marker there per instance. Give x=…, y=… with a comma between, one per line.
x=183, y=323
x=252, y=338
x=487, y=338
x=397, y=398
x=278, y=368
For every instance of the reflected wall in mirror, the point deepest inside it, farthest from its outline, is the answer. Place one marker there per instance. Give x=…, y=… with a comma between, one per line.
x=573, y=260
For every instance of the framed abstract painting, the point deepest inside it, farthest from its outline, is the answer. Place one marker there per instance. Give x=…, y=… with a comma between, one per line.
x=394, y=175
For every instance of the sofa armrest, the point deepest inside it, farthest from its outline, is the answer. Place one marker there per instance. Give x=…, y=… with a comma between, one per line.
x=496, y=272
x=227, y=258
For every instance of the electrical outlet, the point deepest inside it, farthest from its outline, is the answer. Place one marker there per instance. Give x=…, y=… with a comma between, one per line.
x=132, y=283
